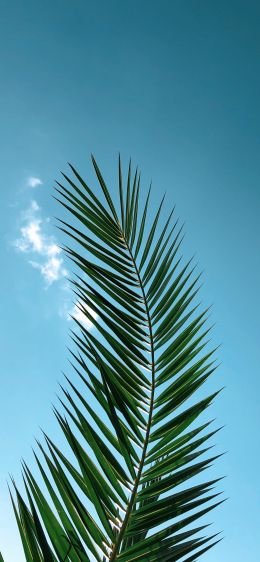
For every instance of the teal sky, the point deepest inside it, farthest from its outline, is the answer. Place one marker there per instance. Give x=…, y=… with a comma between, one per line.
x=176, y=85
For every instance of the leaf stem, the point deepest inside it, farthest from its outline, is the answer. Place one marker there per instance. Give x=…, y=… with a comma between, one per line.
x=120, y=536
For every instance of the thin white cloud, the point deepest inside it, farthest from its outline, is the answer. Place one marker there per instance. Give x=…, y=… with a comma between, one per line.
x=43, y=251
x=30, y=212
x=44, y=255
x=34, y=207
x=51, y=270
x=69, y=312
x=31, y=237
x=78, y=313
x=33, y=182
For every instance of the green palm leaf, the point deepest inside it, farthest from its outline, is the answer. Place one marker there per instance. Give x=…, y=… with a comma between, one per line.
x=124, y=494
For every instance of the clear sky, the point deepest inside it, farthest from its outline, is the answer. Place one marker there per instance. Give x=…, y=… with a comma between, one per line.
x=176, y=85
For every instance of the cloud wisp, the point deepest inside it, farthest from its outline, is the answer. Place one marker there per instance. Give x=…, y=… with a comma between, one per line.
x=77, y=312
x=33, y=182
x=42, y=249
x=43, y=254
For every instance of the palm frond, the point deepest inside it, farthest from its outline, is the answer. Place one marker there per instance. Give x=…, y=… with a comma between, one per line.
x=125, y=493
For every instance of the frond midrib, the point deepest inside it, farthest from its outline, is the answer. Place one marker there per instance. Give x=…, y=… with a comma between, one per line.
x=120, y=537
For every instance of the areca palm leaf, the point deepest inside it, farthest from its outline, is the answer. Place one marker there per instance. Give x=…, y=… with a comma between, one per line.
x=125, y=494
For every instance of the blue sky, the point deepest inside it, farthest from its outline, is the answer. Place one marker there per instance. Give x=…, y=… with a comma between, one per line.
x=176, y=85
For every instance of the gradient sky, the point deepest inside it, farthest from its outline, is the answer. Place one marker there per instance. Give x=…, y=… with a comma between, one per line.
x=176, y=85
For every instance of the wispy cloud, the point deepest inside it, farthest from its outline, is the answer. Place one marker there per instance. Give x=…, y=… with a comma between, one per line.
x=33, y=182
x=43, y=254
x=42, y=249
x=76, y=311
